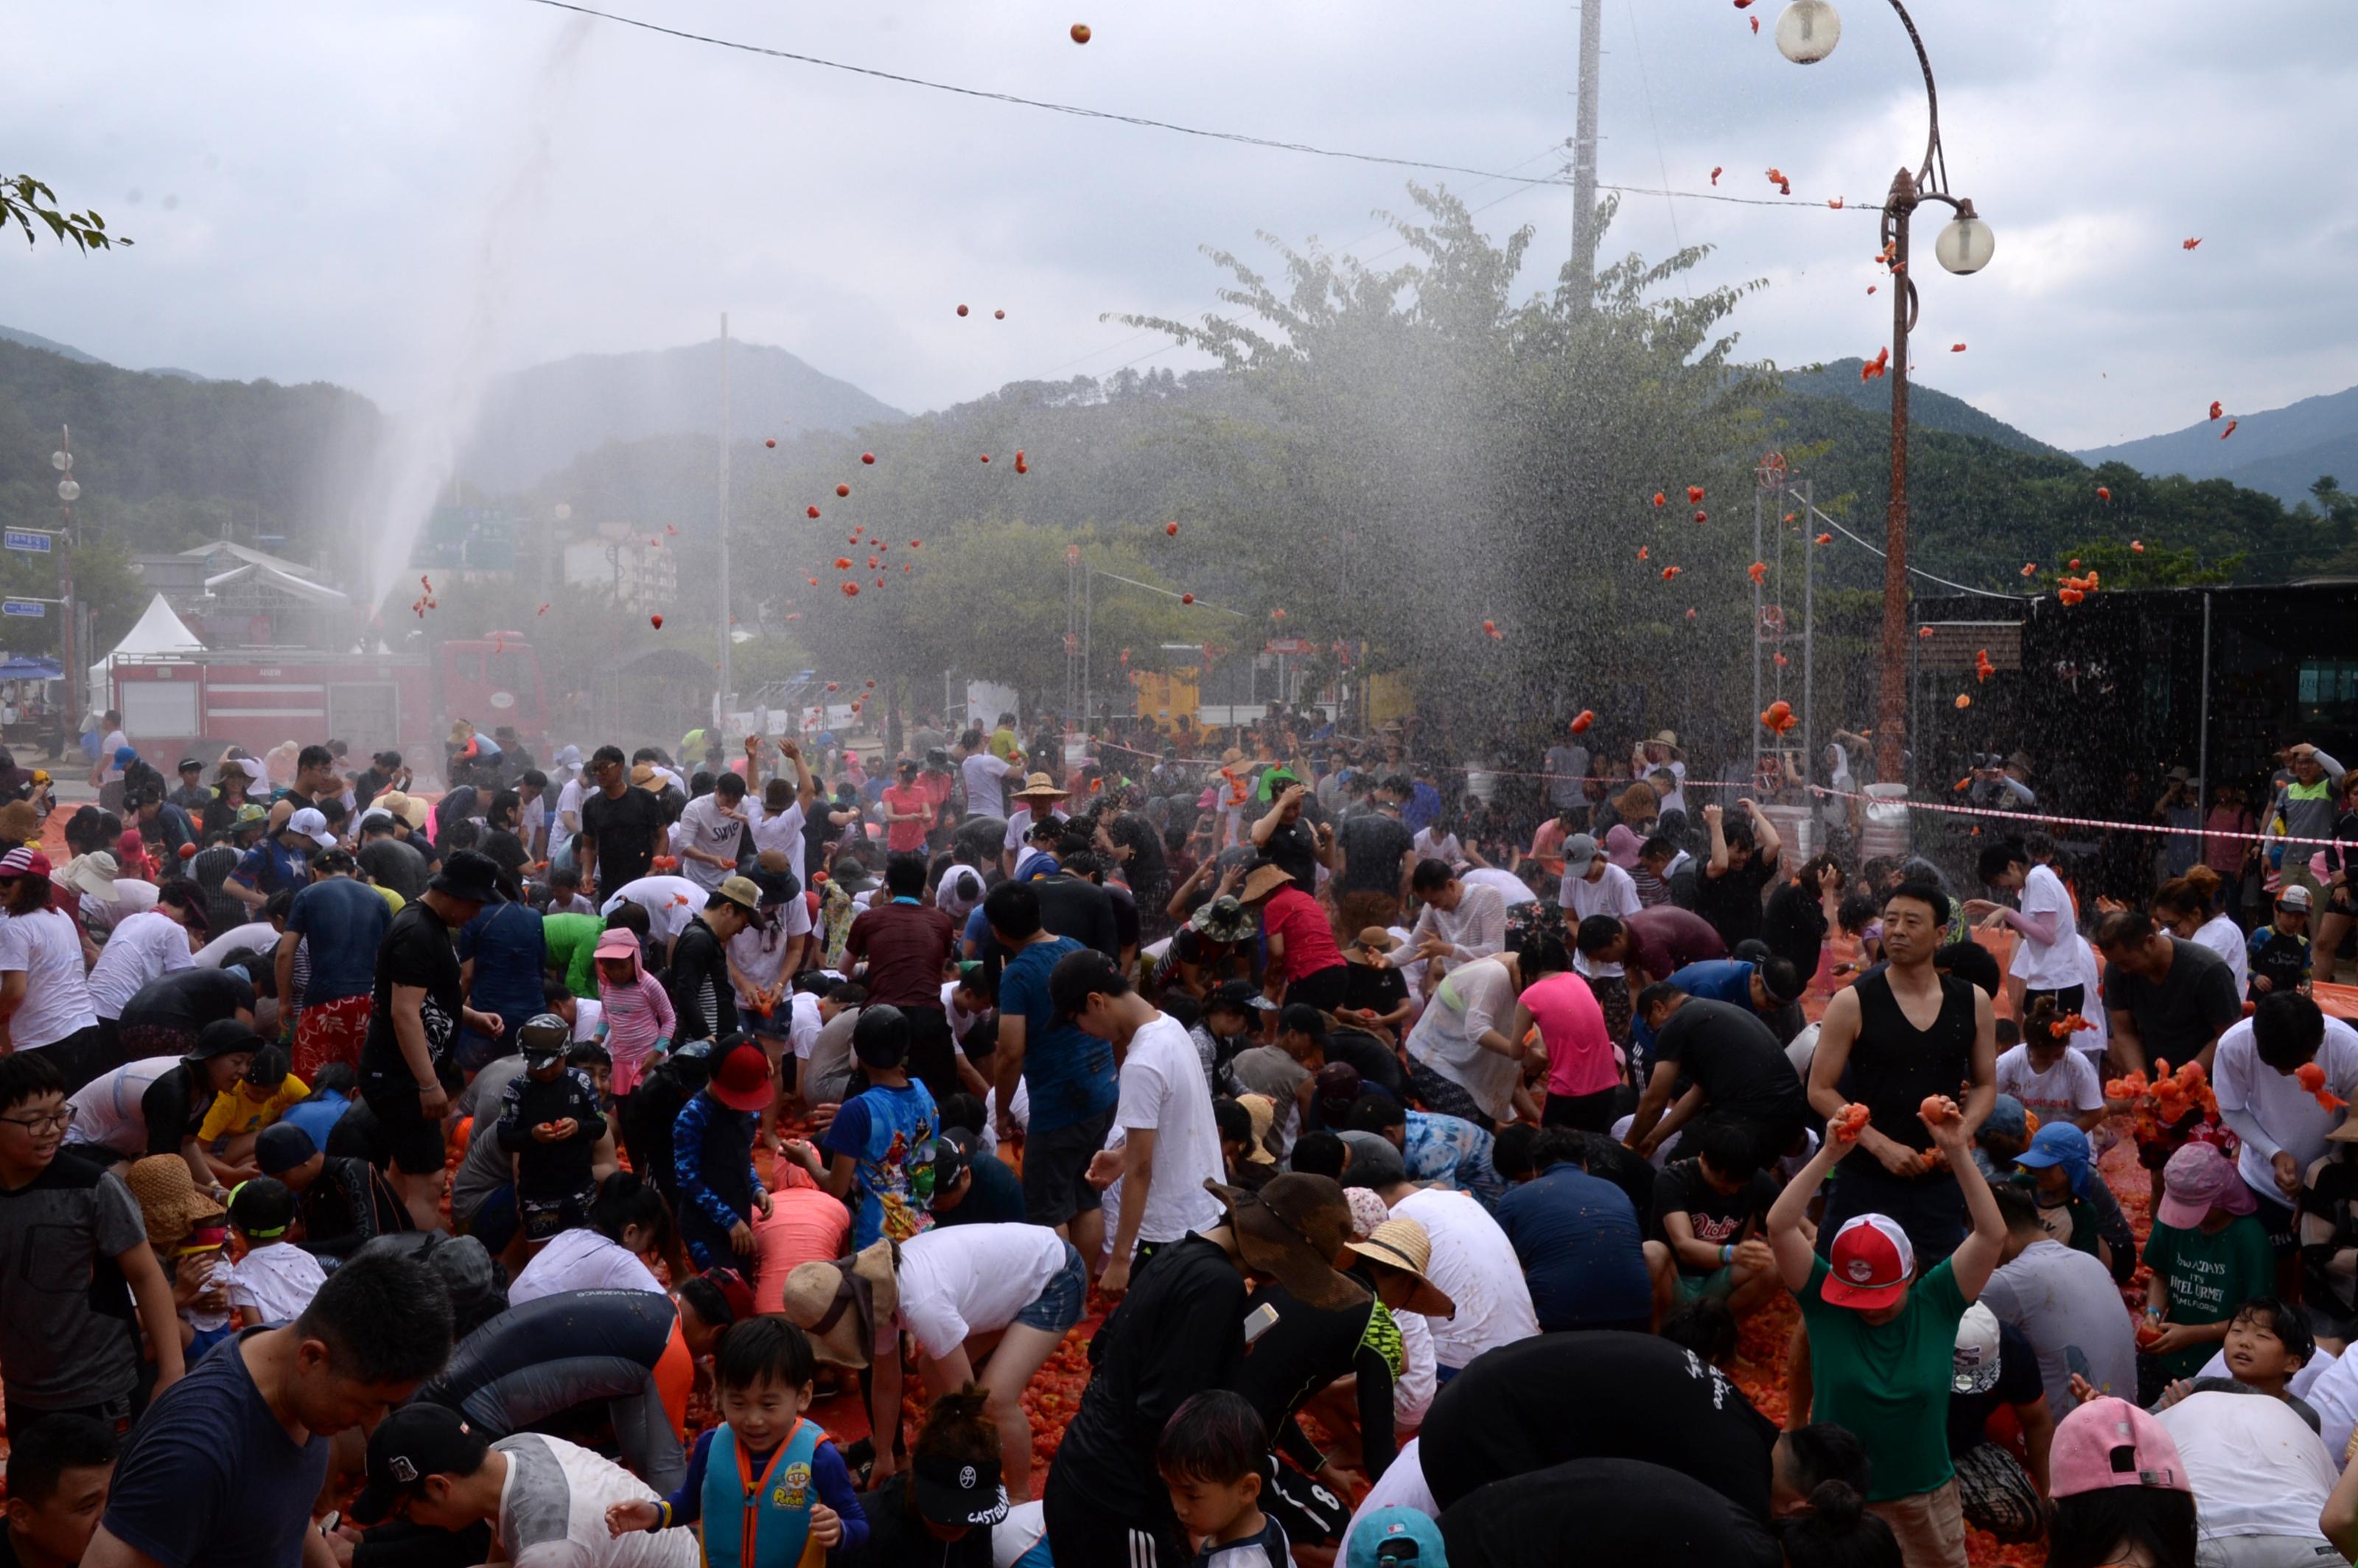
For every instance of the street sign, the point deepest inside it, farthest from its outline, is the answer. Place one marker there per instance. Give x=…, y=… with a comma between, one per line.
x=23, y=607
x=26, y=539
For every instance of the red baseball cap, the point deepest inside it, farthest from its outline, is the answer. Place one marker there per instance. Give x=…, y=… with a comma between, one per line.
x=740, y=1076
x=1870, y=1263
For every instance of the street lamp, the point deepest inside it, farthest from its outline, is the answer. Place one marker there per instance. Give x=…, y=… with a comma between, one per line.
x=1806, y=33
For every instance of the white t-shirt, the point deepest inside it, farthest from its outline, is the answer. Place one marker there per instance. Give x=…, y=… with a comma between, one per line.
x=106, y=1111
x=1400, y=1487
x=985, y=785
x=963, y=1280
x=1614, y=894
x=45, y=946
x=802, y=1029
x=581, y=1260
x=703, y=825
x=1019, y=827
x=1475, y=1265
x=959, y=891
x=670, y=903
x=254, y=936
x=2256, y=1467
x=2289, y=1115
x=761, y=955
x=115, y=738
x=553, y=1510
x=568, y=809
x=782, y=831
x=1471, y=999
x=532, y=815
x=2224, y=937
x=145, y=947
x=273, y=1283
x=589, y=1012
x=133, y=896
x=2059, y=1093
x=2047, y=966
x=1162, y=1087
x=1511, y=888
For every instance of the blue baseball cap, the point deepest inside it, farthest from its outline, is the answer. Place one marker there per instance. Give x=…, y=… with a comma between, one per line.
x=1398, y=1535
x=2056, y=1143
x=123, y=754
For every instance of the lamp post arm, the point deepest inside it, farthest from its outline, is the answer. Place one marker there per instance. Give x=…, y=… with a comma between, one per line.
x=1927, y=176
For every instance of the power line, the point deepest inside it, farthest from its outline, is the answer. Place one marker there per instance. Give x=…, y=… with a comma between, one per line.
x=1081, y=112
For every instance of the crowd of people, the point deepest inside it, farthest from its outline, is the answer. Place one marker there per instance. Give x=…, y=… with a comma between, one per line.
x=700, y=1154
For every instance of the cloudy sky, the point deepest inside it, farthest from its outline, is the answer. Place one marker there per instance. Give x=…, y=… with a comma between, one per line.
x=398, y=194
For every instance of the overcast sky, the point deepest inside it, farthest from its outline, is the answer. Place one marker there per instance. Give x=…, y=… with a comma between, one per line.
x=364, y=193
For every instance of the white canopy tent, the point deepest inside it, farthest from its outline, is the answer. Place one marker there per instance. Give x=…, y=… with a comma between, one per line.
x=158, y=630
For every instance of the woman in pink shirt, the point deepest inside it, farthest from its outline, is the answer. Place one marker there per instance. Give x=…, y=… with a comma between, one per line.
x=1583, y=1068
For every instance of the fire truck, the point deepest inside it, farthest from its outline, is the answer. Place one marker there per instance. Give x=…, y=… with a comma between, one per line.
x=197, y=702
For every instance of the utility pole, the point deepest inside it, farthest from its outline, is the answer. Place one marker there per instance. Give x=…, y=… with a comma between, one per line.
x=720, y=699
x=1583, y=158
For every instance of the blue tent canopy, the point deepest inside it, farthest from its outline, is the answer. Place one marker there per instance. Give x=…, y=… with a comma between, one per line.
x=21, y=667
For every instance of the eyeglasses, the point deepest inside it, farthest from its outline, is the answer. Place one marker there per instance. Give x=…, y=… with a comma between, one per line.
x=40, y=1121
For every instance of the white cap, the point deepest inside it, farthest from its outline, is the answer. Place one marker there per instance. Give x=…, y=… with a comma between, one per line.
x=1975, y=1367
x=312, y=824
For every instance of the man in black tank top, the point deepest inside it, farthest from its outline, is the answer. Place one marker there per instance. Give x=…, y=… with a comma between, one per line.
x=1872, y=1049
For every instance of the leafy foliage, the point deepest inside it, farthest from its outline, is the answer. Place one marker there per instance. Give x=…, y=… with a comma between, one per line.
x=25, y=201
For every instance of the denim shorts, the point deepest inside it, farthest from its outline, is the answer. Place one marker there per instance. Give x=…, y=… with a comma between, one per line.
x=1059, y=1304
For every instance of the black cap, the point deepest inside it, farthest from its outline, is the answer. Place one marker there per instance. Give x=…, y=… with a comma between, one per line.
x=188, y=763
x=263, y=1208
x=1238, y=996
x=954, y=1150
x=1300, y=1015
x=280, y=1147
x=413, y=1442
x=957, y=1492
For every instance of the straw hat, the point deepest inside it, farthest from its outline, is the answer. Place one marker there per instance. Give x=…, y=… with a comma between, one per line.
x=167, y=1197
x=1402, y=1244
x=1669, y=737
x=1264, y=881
x=846, y=1312
x=1263, y=1111
x=20, y=822
x=1040, y=786
x=408, y=808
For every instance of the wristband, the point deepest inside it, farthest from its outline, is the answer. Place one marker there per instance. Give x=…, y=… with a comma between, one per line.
x=663, y=1518
x=1726, y=1254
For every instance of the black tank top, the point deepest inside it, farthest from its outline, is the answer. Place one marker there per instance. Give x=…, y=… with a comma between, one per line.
x=1894, y=1065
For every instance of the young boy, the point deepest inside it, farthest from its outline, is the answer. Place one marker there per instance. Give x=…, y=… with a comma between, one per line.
x=762, y=1377
x=2279, y=950
x=1707, y=1210
x=1210, y=1458
x=880, y=1136
x=1883, y=1341
x=550, y=1121
x=275, y=1279
x=2267, y=1345
x=267, y=1092
x=713, y=1155
x=2053, y=1082
x=58, y=1467
x=71, y=1238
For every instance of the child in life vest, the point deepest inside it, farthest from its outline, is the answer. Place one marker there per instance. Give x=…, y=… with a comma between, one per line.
x=766, y=1489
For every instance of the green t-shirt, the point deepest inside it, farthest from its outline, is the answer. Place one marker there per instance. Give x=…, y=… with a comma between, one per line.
x=1889, y=1383
x=571, y=941
x=2208, y=1278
